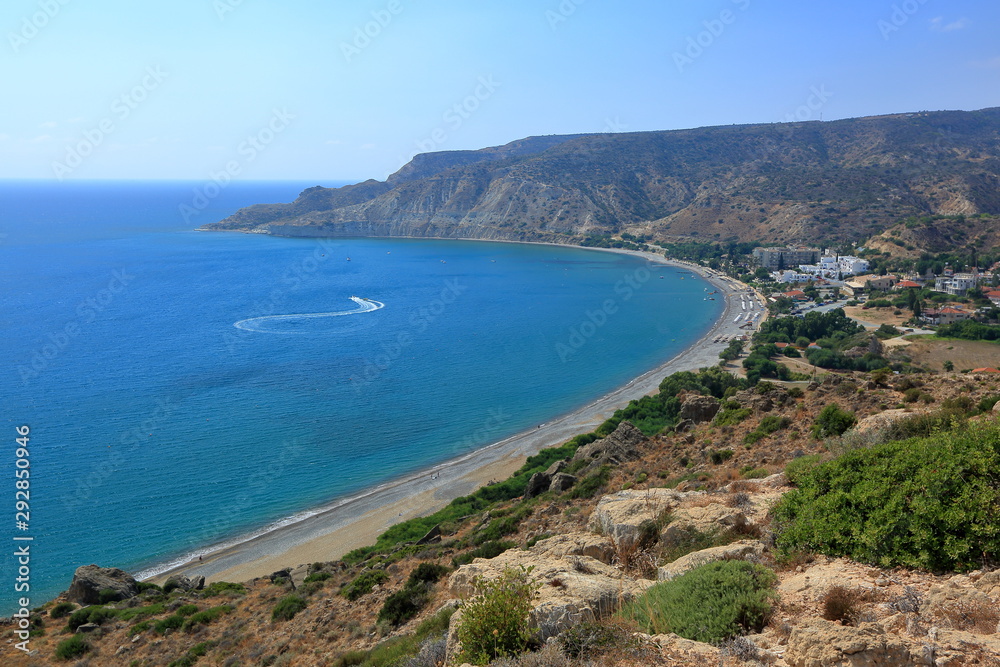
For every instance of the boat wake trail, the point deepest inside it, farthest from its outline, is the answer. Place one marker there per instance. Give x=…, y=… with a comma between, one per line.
x=266, y=324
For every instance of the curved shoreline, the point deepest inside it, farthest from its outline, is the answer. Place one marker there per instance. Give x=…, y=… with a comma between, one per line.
x=328, y=532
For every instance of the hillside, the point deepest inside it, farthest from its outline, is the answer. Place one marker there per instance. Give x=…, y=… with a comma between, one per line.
x=800, y=182
x=709, y=488
x=934, y=235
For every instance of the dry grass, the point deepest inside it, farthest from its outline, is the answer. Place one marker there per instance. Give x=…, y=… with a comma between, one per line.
x=963, y=353
x=979, y=617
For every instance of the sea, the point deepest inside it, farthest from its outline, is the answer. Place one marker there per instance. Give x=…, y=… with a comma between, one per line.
x=183, y=389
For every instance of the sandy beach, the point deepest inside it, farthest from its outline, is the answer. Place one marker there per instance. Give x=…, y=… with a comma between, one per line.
x=357, y=521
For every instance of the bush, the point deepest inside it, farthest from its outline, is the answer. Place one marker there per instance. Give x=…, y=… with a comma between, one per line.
x=833, y=421
x=405, y=604
x=174, y=622
x=317, y=576
x=428, y=573
x=71, y=648
x=206, y=617
x=107, y=595
x=89, y=615
x=590, y=485
x=926, y=503
x=220, y=587
x=62, y=610
x=495, y=623
x=841, y=604
x=363, y=584
x=710, y=603
x=729, y=416
x=590, y=639
x=798, y=468
x=287, y=608
x=187, y=610
x=488, y=550
x=721, y=456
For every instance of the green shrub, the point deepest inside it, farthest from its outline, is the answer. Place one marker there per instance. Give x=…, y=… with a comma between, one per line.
x=317, y=576
x=62, y=610
x=71, y=648
x=798, y=468
x=589, y=639
x=731, y=416
x=590, y=485
x=427, y=573
x=175, y=622
x=139, y=628
x=149, y=586
x=488, y=550
x=140, y=612
x=86, y=615
x=186, y=610
x=711, y=603
x=721, y=456
x=363, y=584
x=987, y=403
x=796, y=392
x=405, y=604
x=495, y=623
x=287, y=608
x=925, y=503
x=911, y=395
x=108, y=595
x=833, y=421
x=536, y=539
x=221, y=587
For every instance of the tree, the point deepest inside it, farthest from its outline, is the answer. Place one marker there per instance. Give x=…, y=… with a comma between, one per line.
x=495, y=623
x=781, y=262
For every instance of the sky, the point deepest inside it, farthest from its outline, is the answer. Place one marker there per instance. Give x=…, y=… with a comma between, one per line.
x=346, y=91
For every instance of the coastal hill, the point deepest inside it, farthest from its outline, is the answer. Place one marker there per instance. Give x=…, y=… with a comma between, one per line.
x=843, y=180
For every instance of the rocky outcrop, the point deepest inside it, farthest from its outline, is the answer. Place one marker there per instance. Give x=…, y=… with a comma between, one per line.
x=699, y=409
x=562, y=482
x=620, y=515
x=574, y=589
x=90, y=581
x=577, y=544
x=184, y=583
x=820, y=643
x=750, y=550
x=707, y=519
x=620, y=446
x=541, y=482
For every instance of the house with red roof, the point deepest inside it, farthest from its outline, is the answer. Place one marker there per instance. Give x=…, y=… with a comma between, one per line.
x=907, y=284
x=985, y=370
x=947, y=315
x=796, y=295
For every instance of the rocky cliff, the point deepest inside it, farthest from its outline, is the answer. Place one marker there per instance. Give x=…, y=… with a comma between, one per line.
x=841, y=180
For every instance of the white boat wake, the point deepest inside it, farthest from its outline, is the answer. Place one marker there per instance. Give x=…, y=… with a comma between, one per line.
x=258, y=324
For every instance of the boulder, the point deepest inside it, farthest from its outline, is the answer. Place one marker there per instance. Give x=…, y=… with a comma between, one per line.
x=620, y=446
x=750, y=550
x=683, y=426
x=90, y=580
x=87, y=628
x=699, y=409
x=555, y=468
x=952, y=595
x=562, y=482
x=184, y=583
x=619, y=515
x=537, y=484
x=820, y=643
x=577, y=544
x=433, y=536
x=573, y=589
x=714, y=518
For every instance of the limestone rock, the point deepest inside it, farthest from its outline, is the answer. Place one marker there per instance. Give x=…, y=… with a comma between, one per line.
x=742, y=550
x=619, y=515
x=562, y=482
x=577, y=544
x=90, y=580
x=87, y=628
x=184, y=583
x=675, y=645
x=298, y=575
x=620, y=446
x=820, y=643
x=538, y=484
x=708, y=519
x=574, y=590
x=951, y=594
x=555, y=468
x=699, y=409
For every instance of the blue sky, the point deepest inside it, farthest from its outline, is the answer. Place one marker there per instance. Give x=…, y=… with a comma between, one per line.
x=332, y=91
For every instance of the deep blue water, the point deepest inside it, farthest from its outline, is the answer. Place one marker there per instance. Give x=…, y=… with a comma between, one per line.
x=158, y=427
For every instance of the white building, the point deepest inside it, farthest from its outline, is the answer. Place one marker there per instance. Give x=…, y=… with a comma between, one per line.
x=957, y=284
x=792, y=277
x=832, y=266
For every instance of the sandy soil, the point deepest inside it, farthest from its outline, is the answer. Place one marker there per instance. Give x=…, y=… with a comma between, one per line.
x=965, y=354
x=357, y=521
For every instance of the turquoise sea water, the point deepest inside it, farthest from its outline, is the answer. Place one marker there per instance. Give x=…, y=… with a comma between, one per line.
x=159, y=428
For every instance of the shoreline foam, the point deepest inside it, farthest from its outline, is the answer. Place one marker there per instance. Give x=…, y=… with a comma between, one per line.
x=328, y=532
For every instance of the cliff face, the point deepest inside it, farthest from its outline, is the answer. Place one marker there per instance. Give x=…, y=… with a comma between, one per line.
x=842, y=180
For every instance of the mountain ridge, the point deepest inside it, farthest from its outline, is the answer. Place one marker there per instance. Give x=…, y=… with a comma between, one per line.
x=844, y=180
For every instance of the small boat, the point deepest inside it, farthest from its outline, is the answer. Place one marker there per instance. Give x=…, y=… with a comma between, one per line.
x=348, y=259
